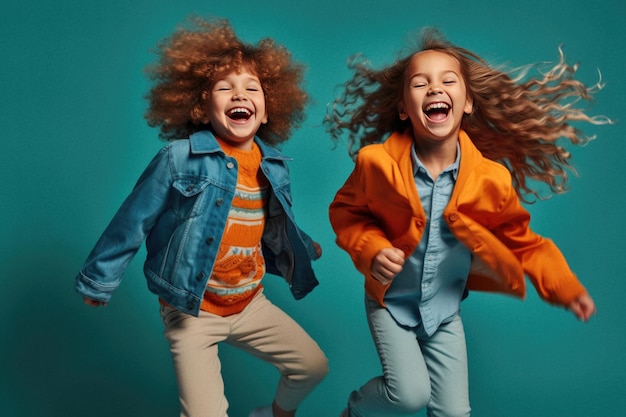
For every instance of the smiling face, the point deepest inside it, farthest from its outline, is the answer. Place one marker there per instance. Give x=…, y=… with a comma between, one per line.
x=235, y=108
x=434, y=97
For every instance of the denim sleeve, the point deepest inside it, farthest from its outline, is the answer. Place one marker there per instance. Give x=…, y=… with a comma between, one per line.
x=308, y=242
x=103, y=270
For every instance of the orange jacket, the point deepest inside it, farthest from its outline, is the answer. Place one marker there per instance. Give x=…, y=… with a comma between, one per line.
x=378, y=207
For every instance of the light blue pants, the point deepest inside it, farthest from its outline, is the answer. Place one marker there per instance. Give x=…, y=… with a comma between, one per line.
x=418, y=371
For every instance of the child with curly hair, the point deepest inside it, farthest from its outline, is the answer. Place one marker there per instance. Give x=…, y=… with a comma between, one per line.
x=444, y=145
x=214, y=208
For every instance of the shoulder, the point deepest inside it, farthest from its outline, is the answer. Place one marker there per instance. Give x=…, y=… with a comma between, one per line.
x=269, y=151
x=494, y=170
x=178, y=146
x=374, y=154
x=373, y=150
x=474, y=164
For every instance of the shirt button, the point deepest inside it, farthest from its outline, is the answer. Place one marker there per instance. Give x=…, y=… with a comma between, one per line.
x=230, y=165
x=453, y=217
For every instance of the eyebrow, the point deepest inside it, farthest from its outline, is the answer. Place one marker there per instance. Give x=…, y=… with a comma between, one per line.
x=445, y=72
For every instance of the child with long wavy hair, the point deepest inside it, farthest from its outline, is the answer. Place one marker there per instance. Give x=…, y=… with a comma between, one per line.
x=445, y=146
x=214, y=207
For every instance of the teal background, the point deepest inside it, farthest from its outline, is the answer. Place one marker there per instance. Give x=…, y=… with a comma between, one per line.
x=74, y=142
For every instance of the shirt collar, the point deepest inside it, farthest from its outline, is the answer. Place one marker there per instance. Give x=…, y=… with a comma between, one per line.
x=454, y=168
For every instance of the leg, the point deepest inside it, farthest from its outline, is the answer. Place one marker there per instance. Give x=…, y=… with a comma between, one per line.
x=446, y=357
x=266, y=332
x=404, y=387
x=193, y=344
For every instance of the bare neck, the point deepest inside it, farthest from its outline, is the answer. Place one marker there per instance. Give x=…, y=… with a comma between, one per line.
x=436, y=156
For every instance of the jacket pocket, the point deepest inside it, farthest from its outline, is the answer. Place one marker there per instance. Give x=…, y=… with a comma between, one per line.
x=189, y=197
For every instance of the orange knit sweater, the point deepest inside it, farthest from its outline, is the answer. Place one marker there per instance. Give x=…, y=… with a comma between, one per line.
x=239, y=266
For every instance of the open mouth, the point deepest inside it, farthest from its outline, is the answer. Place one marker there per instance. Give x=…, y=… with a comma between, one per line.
x=437, y=112
x=239, y=114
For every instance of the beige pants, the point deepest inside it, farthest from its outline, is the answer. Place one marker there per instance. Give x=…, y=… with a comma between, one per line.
x=264, y=331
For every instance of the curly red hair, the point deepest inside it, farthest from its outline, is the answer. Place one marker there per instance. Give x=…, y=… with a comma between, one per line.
x=189, y=62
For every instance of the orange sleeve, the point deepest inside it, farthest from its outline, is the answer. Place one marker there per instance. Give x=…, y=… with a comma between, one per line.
x=353, y=223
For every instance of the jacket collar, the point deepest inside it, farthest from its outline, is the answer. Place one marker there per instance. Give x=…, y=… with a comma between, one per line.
x=399, y=144
x=204, y=142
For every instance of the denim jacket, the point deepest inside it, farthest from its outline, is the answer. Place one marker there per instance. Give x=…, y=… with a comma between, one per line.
x=179, y=206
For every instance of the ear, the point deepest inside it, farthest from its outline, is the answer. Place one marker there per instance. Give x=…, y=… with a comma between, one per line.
x=265, y=118
x=469, y=105
x=402, y=111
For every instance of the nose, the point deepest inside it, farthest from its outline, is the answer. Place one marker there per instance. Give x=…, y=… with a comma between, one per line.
x=434, y=90
x=239, y=95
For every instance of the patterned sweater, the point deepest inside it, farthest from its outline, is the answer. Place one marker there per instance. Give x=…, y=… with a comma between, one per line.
x=239, y=266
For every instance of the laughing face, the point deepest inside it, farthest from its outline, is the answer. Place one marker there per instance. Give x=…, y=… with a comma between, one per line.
x=235, y=108
x=434, y=97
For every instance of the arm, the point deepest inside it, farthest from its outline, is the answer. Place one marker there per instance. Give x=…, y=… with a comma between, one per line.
x=120, y=241
x=357, y=231
x=542, y=260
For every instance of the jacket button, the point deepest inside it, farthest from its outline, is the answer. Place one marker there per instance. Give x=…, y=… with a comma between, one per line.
x=210, y=240
x=453, y=217
x=230, y=165
x=200, y=276
x=219, y=202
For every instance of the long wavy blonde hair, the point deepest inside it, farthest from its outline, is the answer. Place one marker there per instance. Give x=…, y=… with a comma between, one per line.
x=517, y=120
x=188, y=63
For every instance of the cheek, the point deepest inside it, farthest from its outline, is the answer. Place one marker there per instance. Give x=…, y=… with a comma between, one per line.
x=412, y=103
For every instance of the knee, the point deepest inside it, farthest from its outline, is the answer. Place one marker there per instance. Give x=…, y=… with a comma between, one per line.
x=409, y=401
x=317, y=367
x=310, y=369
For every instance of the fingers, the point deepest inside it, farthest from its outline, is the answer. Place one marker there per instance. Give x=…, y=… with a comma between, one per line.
x=387, y=264
x=93, y=303
x=318, y=249
x=583, y=307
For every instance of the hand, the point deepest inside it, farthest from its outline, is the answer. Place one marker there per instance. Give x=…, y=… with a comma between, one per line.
x=583, y=307
x=93, y=303
x=318, y=249
x=387, y=264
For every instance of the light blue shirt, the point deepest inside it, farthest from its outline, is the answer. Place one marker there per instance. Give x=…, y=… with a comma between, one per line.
x=429, y=289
